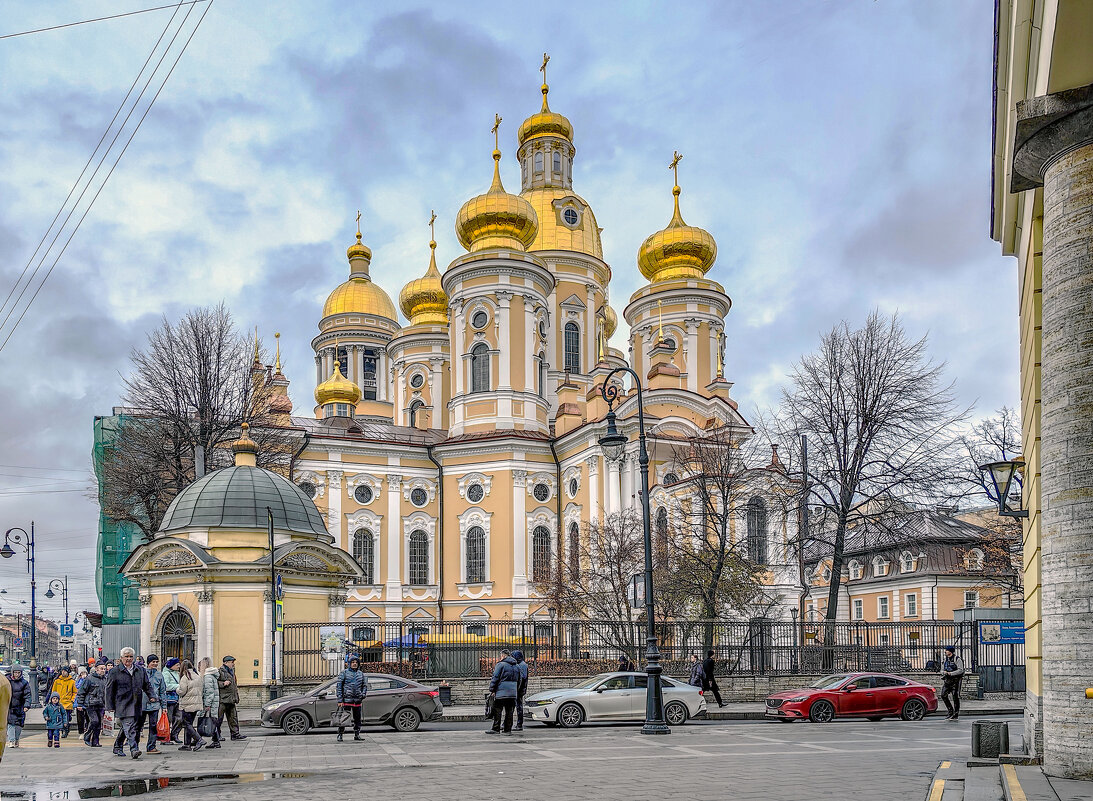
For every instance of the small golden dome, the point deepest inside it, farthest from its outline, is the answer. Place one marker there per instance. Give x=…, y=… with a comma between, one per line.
x=496, y=219
x=545, y=123
x=678, y=251
x=337, y=389
x=610, y=321
x=423, y=300
x=245, y=449
x=359, y=295
x=358, y=249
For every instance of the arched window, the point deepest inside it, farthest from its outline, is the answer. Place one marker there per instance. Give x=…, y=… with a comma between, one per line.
x=557, y=161
x=573, y=547
x=419, y=558
x=368, y=382
x=757, y=531
x=662, y=536
x=342, y=355
x=538, y=162
x=973, y=559
x=540, y=554
x=480, y=368
x=415, y=407
x=542, y=375
x=572, y=348
x=364, y=545
x=177, y=635
x=855, y=569
x=906, y=562
x=880, y=566
x=476, y=554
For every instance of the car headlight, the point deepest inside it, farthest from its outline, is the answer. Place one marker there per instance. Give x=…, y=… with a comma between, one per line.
x=542, y=702
x=795, y=700
x=274, y=706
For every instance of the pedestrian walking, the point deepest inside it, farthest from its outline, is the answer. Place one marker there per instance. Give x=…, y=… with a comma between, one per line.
x=55, y=717
x=190, y=703
x=170, y=678
x=210, y=695
x=65, y=687
x=952, y=671
x=124, y=686
x=698, y=676
x=17, y=709
x=229, y=698
x=81, y=716
x=626, y=664
x=352, y=688
x=709, y=682
x=504, y=684
x=91, y=702
x=521, y=689
x=153, y=703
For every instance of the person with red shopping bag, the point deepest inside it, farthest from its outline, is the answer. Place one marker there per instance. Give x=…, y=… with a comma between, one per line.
x=154, y=703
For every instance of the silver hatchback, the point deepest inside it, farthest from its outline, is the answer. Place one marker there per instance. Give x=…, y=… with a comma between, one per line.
x=613, y=697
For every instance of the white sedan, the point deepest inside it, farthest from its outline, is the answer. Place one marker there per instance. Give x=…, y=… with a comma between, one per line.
x=612, y=697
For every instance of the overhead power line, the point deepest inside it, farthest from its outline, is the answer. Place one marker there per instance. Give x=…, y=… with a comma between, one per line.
x=98, y=19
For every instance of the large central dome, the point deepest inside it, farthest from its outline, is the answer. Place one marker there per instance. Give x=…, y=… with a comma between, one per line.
x=237, y=497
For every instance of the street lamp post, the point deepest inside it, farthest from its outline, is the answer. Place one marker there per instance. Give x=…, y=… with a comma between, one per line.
x=25, y=541
x=1001, y=477
x=613, y=444
x=63, y=587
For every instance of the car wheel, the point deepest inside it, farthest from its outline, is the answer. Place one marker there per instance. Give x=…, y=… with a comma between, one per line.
x=407, y=719
x=295, y=722
x=821, y=712
x=875, y=719
x=570, y=716
x=914, y=709
x=676, y=714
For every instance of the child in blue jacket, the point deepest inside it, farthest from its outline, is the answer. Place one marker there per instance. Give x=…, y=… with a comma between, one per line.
x=54, y=714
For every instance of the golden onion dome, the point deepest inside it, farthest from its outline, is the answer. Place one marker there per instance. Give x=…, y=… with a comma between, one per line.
x=359, y=295
x=496, y=219
x=423, y=300
x=677, y=251
x=545, y=123
x=610, y=321
x=337, y=389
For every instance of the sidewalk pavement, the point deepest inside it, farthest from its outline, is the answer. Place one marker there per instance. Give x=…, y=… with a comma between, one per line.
x=986, y=780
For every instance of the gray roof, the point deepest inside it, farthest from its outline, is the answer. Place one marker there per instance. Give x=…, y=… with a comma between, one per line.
x=237, y=497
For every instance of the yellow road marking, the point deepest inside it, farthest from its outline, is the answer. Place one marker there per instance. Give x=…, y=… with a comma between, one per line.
x=937, y=790
x=946, y=765
x=1017, y=793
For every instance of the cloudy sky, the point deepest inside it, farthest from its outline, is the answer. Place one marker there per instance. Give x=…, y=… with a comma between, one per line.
x=839, y=152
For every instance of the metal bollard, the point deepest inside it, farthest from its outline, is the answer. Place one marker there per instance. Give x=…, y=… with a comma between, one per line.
x=989, y=739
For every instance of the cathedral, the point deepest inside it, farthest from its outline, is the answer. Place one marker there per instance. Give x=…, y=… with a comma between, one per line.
x=456, y=457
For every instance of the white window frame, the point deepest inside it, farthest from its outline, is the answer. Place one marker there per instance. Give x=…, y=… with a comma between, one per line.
x=907, y=562
x=410, y=524
x=884, y=607
x=910, y=604
x=468, y=520
x=855, y=569
x=881, y=566
x=974, y=594
x=859, y=609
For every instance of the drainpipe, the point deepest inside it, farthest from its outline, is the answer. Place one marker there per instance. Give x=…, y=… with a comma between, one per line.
x=295, y=456
x=440, y=540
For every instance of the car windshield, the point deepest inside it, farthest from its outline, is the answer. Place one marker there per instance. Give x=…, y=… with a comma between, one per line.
x=590, y=683
x=324, y=687
x=828, y=682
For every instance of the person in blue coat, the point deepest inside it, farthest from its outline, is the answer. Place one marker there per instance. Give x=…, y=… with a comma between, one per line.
x=505, y=686
x=521, y=690
x=55, y=718
x=352, y=688
x=153, y=702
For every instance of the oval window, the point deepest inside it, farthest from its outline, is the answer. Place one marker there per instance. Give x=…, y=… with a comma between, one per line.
x=541, y=492
x=417, y=381
x=480, y=319
x=475, y=493
x=572, y=488
x=309, y=489
x=419, y=497
x=363, y=494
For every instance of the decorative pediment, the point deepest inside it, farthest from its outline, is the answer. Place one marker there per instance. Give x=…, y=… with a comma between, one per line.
x=364, y=518
x=316, y=558
x=572, y=302
x=474, y=612
x=305, y=561
x=409, y=485
x=363, y=613
x=362, y=480
x=475, y=478
x=474, y=517
x=421, y=614
x=174, y=557
x=312, y=478
x=167, y=553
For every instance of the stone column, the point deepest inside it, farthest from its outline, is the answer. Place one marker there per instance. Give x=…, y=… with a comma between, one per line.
x=436, y=394
x=205, y=623
x=519, y=534
x=394, y=541
x=628, y=500
x=588, y=352
x=145, y=623
x=1053, y=148
x=692, y=354
x=267, y=634
x=593, y=488
x=614, y=492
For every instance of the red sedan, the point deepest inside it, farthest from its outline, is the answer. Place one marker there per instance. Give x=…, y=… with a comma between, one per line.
x=854, y=695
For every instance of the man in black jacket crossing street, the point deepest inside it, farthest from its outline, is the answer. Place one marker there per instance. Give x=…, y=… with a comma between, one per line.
x=709, y=683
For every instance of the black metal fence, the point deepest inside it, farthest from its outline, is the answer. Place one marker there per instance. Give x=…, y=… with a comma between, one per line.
x=314, y=651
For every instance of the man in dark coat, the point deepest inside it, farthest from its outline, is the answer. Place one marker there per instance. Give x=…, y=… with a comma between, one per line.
x=505, y=685
x=92, y=700
x=521, y=690
x=952, y=671
x=709, y=683
x=124, y=687
x=229, y=698
x=17, y=711
x=352, y=687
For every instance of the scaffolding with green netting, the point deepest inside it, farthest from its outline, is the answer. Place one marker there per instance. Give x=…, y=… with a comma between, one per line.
x=118, y=596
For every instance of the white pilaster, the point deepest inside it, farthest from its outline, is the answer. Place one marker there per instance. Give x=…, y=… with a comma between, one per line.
x=589, y=360
x=145, y=624
x=504, y=336
x=614, y=492
x=394, y=545
x=527, y=324
x=267, y=634
x=519, y=534
x=692, y=354
x=593, y=488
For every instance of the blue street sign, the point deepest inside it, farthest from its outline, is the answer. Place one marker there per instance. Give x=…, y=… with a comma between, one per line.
x=1002, y=632
x=66, y=629
x=280, y=589
x=17, y=642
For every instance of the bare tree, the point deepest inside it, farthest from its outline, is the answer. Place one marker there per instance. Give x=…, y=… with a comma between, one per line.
x=881, y=428
x=190, y=389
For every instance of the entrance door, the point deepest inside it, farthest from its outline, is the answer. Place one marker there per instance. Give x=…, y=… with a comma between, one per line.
x=176, y=636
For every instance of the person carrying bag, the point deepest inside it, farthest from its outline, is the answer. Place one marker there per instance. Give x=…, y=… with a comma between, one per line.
x=352, y=687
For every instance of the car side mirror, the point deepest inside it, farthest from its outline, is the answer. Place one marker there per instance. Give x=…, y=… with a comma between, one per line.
x=849, y=689
x=598, y=690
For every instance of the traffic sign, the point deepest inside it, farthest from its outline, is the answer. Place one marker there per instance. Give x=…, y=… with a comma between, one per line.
x=17, y=642
x=280, y=590
x=67, y=629
x=66, y=640
x=280, y=612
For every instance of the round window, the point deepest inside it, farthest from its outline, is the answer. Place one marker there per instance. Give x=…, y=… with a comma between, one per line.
x=363, y=494
x=541, y=492
x=475, y=493
x=308, y=488
x=419, y=497
x=480, y=319
x=542, y=329
x=570, y=216
x=670, y=478
x=572, y=488
x=417, y=381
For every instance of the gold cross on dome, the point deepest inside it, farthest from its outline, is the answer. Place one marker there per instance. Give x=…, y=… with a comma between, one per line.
x=358, y=222
x=495, y=128
x=674, y=166
x=542, y=69
x=432, y=219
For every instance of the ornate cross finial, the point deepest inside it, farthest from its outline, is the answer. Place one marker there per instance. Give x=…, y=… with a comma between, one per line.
x=432, y=220
x=277, y=363
x=358, y=225
x=495, y=128
x=674, y=166
x=542, y=69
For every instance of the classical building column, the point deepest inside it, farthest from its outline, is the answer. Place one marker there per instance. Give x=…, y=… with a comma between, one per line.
x=614, y=491
x=458, y=362
x=589, y=350
x=692, y=354
x=145, y=623
x=319, y=378
x=436, y=394
x=393, y=523
x=335, y=603
x=628, y=500
x=504, y=373
x=267, y=634
x=334, y=507
x=519, y=534
x=205, y=623
x=593, y=488
x=1053, y=148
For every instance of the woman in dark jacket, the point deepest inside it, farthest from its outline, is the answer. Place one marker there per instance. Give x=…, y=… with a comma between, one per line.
x=92, y=700
x=20, y=700
x=352, y=688
x=505, y=685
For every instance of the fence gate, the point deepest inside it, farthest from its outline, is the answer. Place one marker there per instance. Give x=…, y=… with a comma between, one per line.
x=1000, y=656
